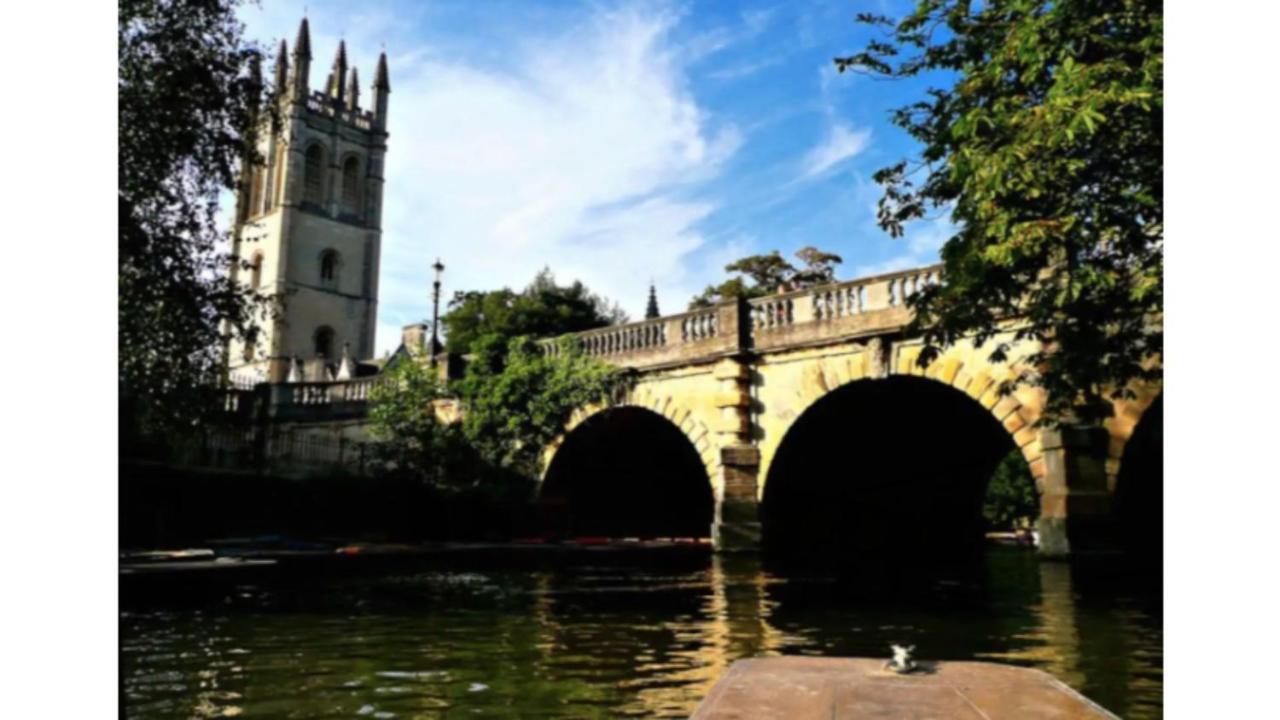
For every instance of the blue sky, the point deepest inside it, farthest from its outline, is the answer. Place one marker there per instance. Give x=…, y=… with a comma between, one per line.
x=616, y=142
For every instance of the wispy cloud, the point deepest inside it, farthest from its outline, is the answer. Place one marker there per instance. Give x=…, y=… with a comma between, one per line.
x=923, y=239
x=584, y=150
x=841, y=144
x=747, y=69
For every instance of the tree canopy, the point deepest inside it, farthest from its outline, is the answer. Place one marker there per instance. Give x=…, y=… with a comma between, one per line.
x=411, y=441
x=760, y=275
x=516, y=397
x=1047, y=149
x=516, y=407
x=186, y=94
x=543, y=309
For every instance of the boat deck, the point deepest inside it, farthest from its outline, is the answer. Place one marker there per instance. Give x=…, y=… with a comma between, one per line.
x=799, y=688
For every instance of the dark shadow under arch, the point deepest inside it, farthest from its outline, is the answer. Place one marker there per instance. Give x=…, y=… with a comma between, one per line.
x=627, y=472
x=1138, y=502
x=876, y=469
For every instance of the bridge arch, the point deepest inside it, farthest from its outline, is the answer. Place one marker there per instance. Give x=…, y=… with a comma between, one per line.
x=891, y=447
x=960, y=367
x=1129, y=414
x=664, y=405
x=1138, y=484
x=630, y=469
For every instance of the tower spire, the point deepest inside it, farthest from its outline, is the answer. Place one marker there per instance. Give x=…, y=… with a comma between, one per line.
x=302, y=62
x=380, y=77
x=651, y=311
x=339, y=71
x=302, y=45
x=282, y=69
x=353, y=90
x=381, y=91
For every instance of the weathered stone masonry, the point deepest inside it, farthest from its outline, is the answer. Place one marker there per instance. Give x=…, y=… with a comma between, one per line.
x=736, y=376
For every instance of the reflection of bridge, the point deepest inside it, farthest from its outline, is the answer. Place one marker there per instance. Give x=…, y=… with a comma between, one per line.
x=822, y=381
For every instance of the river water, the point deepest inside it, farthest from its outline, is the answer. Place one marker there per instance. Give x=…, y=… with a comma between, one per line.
x=603, y=635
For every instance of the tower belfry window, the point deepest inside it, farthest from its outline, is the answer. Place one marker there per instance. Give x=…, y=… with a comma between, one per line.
x=324, y=341
x=328, y=267
x=255, y=190
x=351, y=186
x=314, y=175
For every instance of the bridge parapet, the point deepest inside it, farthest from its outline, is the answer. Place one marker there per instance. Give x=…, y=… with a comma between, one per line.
x=703, y=333
x=865, y=306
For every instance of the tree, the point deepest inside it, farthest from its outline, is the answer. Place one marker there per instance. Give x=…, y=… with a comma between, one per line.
x=516, y=407
x=819, y=267
x=543, y=309
x=187, y=94
x=411, y=440
x=1011, y=498
x=767, y=274
x=1047, y=147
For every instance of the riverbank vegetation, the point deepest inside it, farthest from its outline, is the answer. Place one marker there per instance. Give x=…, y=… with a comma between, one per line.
x=515, y=396
x=176, y=299
x=1011, y=500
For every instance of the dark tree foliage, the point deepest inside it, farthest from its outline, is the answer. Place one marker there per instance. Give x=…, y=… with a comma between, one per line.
x=187, y=92
x=518, y=398
x=1047, y=148
x=543, y=309
x=1011, y=498
x=760, y=275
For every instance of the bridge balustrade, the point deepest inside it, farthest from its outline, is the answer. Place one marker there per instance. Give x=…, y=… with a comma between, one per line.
x=865, y=306
x=668, y=339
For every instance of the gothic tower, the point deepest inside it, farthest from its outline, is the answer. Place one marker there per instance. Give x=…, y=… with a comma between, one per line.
x=309, y=217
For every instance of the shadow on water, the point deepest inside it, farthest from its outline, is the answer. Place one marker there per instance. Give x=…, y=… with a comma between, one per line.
x=612, y=634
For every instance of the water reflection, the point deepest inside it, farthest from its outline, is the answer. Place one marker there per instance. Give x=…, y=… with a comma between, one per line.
x=612, y=637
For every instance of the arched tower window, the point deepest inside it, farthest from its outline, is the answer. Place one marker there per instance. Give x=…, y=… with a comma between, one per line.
x=351, y=186
x=250, y=344
x=255, y=190
x=329, y=267
x=277, y=186
x=324, y=341
x=255, y=272
x=313, y=174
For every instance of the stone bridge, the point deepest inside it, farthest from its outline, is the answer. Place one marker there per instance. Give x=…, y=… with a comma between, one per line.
x=808, y=412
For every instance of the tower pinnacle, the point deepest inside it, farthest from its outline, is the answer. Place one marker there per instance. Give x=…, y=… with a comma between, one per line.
x=380, y=78
x=302, y=45
x=651, y=311
x=302, y=62
x=339, y=76
x=353, y=90
x=282, y=68
x=381, y=92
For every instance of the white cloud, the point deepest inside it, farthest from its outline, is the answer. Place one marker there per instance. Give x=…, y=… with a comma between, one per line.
x=841, y=143
x=584, y=151
x=742, y=70
x=924, y=240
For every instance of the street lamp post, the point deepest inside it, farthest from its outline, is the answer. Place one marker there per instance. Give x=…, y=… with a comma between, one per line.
x=435, y=310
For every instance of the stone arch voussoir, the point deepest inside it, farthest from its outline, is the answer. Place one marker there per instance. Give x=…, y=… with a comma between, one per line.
x=969, y=371
x=1120, y=427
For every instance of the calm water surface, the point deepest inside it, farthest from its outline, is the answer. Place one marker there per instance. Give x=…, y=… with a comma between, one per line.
x=611, y=637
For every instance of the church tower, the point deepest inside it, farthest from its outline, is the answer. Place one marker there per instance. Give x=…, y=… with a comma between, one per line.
x=309, y=217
